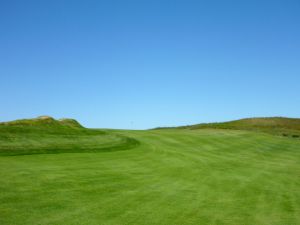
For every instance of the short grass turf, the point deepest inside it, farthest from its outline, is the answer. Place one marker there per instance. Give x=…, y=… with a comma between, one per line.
x=172, y=176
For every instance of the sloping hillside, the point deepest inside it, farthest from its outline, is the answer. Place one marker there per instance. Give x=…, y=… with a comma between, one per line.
x=44, y=121
x=47, y=135
x=274, y=125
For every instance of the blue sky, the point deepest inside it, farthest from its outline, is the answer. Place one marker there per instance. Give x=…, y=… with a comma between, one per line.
x=143, y=64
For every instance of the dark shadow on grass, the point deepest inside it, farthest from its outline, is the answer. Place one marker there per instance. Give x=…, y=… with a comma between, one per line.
x=126, y=144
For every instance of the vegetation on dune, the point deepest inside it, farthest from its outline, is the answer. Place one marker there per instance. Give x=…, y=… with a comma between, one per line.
x=70, y=122
x=288, y=127
x=43, y=121
x=47, y=135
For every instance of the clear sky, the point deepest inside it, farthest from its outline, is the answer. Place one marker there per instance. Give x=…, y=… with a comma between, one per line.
x=142, y=64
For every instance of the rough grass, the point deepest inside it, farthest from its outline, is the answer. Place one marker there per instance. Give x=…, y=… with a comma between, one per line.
x=288, y=127
x=174, y=176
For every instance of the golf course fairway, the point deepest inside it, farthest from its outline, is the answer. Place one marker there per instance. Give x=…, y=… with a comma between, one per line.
x=57, y=173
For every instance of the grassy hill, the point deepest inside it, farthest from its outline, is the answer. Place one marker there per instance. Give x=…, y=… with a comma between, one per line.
x=47, y=135
x=289, y=127
x=44, y=122
x=172, y=176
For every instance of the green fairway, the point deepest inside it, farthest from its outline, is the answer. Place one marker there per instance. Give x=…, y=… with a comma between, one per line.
x=165, y=176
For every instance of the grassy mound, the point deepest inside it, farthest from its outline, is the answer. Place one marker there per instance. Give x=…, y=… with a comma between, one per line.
x=47, y=135
x=44, y=121
x=273, y=125
x=70, y=122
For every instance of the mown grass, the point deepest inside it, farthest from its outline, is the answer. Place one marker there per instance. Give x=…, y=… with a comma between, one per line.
x=174, y=176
